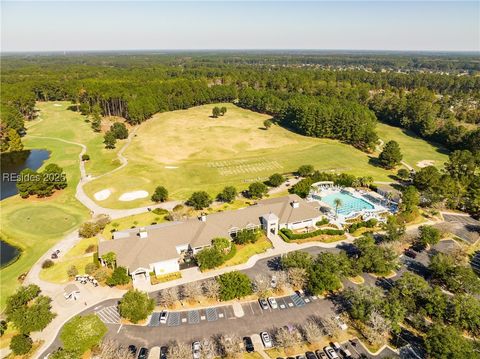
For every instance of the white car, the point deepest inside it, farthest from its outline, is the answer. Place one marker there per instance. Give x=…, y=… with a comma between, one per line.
x=273, y=282
x=273, y=303
x=163, y=317
x=267, y=341
x=196, y=350
x=330, y=353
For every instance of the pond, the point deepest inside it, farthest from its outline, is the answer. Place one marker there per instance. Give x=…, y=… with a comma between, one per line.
x=8, y=253
x=13, y=163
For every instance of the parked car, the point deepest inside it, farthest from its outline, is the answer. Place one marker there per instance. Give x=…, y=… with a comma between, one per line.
x=410, y=253
x=263, y=303
x=346, y=353
x=143, y=354
x=132, y=349
x=54, y=255
x=196, y=347
x=310, y=355
x=273, y=303
x=330, y=352
x=300, y=293
x=320, y=354
x=301, y=356
x=163, y=317
x=266, y=340
x=336, y=346
x=273, y=282
x=247, y=341
x=163, y=352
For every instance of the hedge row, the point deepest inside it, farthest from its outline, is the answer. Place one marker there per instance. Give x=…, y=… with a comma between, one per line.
x=331, y=232
x=368, y=224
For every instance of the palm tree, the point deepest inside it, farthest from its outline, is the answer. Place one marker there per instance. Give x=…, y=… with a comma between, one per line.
x=338, y=203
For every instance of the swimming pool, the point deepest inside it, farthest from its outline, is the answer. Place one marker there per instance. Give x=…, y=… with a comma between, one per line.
x=349, y=204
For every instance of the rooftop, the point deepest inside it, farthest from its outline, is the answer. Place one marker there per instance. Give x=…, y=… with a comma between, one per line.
x=161, y=241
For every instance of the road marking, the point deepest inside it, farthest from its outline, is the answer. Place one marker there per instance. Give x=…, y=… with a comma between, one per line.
x=109, y=315
x=118, y=331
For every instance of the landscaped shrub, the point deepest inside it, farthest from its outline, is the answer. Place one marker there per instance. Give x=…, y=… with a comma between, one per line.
x=136, y=306
x=234, y=285
x=20, y=344
x=160, y=211
x=215, y=255
x=72, y=271
x=368, y=224
x=47, y=263
x=119, y=277
x=292, y=236
x=85, y=157
x=91, y=248
x=246, y=236
x=322, y=222
x=90, y=268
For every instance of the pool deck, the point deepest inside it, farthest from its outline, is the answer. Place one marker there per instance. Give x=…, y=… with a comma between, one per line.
x=368, y=197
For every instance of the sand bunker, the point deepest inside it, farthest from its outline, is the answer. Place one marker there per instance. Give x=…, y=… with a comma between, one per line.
x=171, y=167
x=425, y=163
x=102, y=195
x=131, y=196
x=57, y=105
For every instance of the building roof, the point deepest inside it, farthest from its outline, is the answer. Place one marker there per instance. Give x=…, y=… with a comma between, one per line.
x=162, y=240
x=71, y=288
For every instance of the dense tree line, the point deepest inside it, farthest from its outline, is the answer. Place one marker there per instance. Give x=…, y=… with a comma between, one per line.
x=328, y=100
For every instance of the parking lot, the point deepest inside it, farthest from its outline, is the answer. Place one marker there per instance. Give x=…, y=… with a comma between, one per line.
x=193, y=316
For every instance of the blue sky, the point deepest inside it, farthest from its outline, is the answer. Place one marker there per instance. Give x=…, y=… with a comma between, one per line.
x=128, y=25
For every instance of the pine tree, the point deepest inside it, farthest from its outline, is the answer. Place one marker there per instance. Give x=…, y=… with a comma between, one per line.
x=14, y=141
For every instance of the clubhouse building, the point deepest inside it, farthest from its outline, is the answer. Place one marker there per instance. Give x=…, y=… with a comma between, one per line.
x=162, y=248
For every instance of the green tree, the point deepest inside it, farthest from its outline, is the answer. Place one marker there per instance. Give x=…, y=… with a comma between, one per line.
x=403, y=174
x=391, y=155
x=267, y=124
x=109, y=259
x=275, y=180
x=223, y=110
x=393, y=230
x=82, y=333
x=21, y=344
x=209, y=258
x=446, y=342
x=215, y=112
x=246, y=236
x=234, y=285
x=305, y=170
x=462, y=165
x=257, y=190
x=28, y=310
x=119, y=277
x=338, y=203
x=428, y=235
x=3, y=327
x=410, y=199
x=109, y=140
x=119, y=130
x=54, y=177
x=199, y=200
x=302, y=188
x=96, y=124
x=136, y=306
x=28, y=182
x=296, y=259
x=61, y=353
x=321, y=279
x=228, y=194
x=14, y=141
x=85, y=157
x=160, y=194
x=427, y=177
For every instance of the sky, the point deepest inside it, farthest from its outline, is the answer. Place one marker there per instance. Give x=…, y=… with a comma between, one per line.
x=332, y=25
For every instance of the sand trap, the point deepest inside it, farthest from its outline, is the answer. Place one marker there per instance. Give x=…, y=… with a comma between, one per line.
x=131, y=196
x=425, y=163
x=171, y=167
x=57, y=105
x=102, y=195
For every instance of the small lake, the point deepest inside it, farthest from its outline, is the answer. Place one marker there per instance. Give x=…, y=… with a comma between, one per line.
x=8, y=253
x=13, y=163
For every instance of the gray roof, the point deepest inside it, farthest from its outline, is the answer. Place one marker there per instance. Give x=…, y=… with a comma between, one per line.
x=134, y=252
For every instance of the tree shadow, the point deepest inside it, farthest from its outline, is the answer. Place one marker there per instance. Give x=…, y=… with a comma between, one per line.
x=374, y=161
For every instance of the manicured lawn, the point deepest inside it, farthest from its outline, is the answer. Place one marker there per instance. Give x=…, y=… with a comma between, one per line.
x=137, y=220
x=244, y=252
x=187, y=150
x=80, y=248
x=414, y=149
x=35, y=225
x=58, y=273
